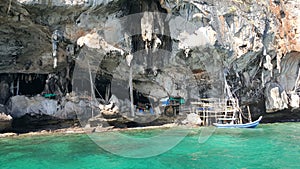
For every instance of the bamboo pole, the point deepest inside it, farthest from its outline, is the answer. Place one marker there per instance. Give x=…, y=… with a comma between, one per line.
x=131, y=92
x=249, y=114
x=240, y=118
x=225, y=104
x=210, y=119
x=92, y=89
x=206, y=119
x=91, y=83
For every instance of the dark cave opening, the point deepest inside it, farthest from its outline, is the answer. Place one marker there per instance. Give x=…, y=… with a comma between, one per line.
x=12, y=84
x=102, y=87
x=142, y=102
x=120, y=89
x=23, y=84
x=30, y=84
x=139, y=98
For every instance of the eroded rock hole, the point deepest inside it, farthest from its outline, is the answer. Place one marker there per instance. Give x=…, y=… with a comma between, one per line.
x=103, y=87
x=30, y=84
x=21, y=84
x=142, y=102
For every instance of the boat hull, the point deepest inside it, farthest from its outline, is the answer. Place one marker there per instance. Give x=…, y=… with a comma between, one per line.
x=246, y=125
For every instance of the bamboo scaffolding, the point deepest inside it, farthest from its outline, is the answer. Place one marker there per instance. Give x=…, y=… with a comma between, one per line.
x=211, y=110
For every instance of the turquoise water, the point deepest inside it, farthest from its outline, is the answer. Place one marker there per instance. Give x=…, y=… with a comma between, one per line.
x=268, y=146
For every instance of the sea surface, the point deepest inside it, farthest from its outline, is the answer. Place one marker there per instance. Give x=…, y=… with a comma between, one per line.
x=268, y=146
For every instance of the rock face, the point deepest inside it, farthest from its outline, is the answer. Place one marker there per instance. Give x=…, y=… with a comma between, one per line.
x=23, y=43
x=19, y=106
x=176, y=48
x=37, y=113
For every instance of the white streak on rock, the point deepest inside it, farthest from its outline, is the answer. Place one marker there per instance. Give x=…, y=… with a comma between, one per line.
x=147, y=28
x=294, y=100
x=202, y=36
x=54, y=62
x=93, y=40
x=129, y=58
x=268, y=65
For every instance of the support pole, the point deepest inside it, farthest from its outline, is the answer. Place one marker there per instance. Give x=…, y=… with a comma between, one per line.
x=131, y=92
x=240, y=117
x=203, y=116
x=206, y=116
x=92, y=88
x=249, y=114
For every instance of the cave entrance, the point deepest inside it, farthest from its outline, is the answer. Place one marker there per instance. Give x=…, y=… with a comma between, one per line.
x=107, y=88
x=102, y=87
x=28, y=84
x=12, y=84
x=142, y=103
x=23, y=84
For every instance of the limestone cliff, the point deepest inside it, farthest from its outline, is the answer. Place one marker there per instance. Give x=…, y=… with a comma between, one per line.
x=188, y=48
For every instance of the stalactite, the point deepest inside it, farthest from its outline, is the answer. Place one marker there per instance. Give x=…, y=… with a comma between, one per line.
x=18, y=86
x=26, y=78
x=12, y=88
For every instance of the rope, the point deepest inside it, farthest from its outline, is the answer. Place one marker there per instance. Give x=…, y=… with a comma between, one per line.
x=243, y=114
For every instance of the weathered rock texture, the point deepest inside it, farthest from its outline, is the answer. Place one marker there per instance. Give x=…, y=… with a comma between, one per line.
x=192, y=119
x=5, y=122
x=186, y=48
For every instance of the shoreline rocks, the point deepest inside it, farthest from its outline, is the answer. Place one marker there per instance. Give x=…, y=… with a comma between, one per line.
x=5, y=122
x=192, y=119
